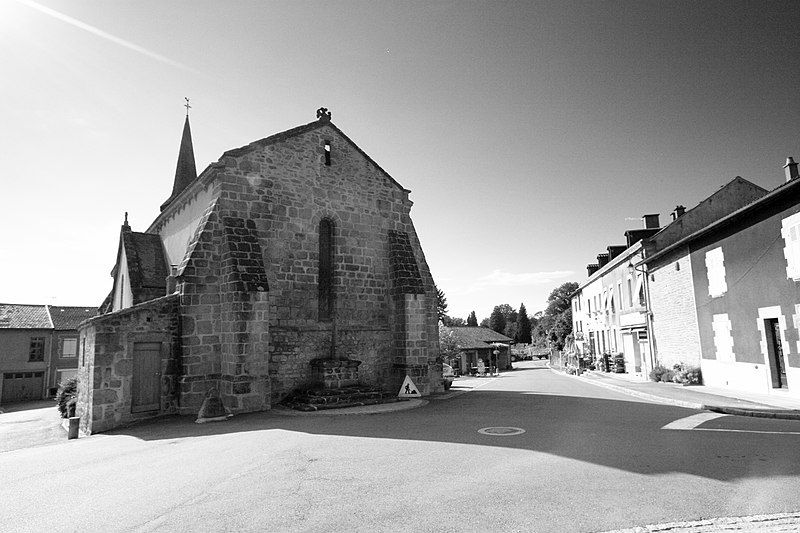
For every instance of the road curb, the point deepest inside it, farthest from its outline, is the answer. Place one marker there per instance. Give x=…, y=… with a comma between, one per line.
x=738, y=411
x=772, y=522
x=783, y=415
x=637, y=394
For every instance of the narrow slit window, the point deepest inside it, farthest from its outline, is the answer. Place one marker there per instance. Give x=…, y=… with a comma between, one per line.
x=325, y=280
x=328, y=153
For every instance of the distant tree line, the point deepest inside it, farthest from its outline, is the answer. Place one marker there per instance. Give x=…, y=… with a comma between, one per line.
x=545, y=329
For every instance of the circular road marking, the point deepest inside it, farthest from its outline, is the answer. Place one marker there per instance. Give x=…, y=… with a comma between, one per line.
x=501, y=431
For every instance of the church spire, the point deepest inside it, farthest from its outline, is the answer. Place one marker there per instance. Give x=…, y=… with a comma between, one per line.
x=185, y=171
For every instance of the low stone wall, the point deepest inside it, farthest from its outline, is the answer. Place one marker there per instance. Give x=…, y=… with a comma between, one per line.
x=105, y=397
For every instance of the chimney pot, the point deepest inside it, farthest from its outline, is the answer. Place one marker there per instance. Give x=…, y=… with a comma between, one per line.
x=790, y=168
x=678, y=213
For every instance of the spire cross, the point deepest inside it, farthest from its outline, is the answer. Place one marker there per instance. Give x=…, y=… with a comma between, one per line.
x=186, y=105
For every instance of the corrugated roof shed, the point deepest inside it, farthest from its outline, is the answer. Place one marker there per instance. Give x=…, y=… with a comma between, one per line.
x=22, y=316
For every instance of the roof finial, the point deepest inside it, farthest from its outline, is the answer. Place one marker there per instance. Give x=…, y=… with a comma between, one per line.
x=125, y=226
x=323, y=114
x=186, y=105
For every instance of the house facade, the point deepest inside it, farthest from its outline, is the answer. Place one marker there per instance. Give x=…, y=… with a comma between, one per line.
x=38, y=349
x=670, y=275
x=745, y=270
x=288, y=257
x=609, y=310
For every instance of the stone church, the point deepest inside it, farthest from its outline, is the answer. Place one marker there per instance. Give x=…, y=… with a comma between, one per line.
x=289, y=263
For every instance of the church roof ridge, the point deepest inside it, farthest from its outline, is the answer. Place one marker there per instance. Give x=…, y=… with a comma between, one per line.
x=299, y=130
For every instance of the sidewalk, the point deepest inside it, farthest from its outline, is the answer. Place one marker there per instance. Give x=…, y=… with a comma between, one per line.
x=727, y=401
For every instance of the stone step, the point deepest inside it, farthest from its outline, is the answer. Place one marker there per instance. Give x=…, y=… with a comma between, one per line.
x=318, y=399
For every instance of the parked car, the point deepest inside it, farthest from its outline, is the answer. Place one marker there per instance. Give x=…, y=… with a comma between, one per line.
x=447, y=376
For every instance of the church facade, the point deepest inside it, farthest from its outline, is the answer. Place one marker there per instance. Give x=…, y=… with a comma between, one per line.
x=295, y=249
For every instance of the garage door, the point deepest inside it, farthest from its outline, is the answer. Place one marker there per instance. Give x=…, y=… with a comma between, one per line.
x=22, y=386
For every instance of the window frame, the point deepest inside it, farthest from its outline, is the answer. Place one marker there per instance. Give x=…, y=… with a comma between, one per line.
x=36, y=345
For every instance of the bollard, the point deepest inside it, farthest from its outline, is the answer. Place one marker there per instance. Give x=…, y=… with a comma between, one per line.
x=74, y=425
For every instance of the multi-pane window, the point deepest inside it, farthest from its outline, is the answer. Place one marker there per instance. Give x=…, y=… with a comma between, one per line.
x=36, y=352
x=715, y=268
x=69, y=347
x=790, y=230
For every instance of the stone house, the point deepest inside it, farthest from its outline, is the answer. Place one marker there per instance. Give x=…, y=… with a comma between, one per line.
x=287, y=259
x=38, y=349
x=745, y=281
x=670, y=275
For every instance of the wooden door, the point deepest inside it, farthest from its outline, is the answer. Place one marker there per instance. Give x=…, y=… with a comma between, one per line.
x=146, y=387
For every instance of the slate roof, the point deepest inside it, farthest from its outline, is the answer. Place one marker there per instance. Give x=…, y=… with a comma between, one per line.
x=185, y=170
x=734, y=195
x=476, y=338
x=786, y=192
x=147, y=265
x=22, y=316
x=69, y=317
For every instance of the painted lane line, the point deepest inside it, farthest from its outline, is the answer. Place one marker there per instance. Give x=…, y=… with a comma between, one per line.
x=749, y=431
x=691, y=422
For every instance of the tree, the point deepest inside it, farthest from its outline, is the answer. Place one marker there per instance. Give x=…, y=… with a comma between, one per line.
x=441, y=303
x=472, y=320
x=485, y=322
x=450, y=321
x=497, y=320
x=448, y=348
x=523, y=326
x=556, y=322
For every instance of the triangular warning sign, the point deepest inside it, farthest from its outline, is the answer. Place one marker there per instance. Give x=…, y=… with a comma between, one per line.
x=408, y=389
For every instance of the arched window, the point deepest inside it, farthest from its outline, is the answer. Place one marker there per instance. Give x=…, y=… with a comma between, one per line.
x=325, y=279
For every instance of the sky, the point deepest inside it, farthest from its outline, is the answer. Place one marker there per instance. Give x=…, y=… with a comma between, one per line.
x=531, y=134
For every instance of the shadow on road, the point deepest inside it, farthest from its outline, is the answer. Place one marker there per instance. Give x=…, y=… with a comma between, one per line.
x=617, y=433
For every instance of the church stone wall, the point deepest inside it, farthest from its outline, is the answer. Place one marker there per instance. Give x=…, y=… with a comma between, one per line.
x=286, y=189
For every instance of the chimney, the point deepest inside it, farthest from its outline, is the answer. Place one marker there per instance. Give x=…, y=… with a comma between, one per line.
x=678, y=213
x=650, y=221
x=172, y=282
x=790, y=168
x=592, y=268
x=615, y=250
x=602, y=260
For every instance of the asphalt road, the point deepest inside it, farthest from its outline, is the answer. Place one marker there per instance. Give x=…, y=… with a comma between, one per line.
x=590, y=459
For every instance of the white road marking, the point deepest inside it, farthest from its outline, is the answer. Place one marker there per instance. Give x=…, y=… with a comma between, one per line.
x=691, y=422
x=750, y=431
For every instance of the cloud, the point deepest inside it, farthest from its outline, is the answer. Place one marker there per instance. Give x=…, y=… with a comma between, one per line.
x=104, y=35
x=500, y=278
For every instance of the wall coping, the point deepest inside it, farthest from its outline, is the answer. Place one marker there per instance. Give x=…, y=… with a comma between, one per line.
x=129, y=310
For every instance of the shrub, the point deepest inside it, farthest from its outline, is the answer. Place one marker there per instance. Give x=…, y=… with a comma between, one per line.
x=67, y=391
x=657, y=372
x=667, y=376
